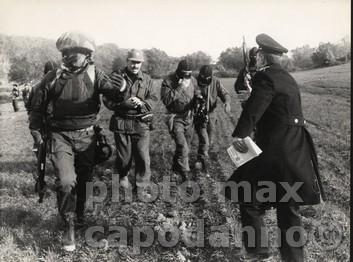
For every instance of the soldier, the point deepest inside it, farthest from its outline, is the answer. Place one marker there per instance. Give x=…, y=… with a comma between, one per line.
x=177, y=93
x=131, y=120
x=25, y=94
x=209, y=88
x=15, y=94
x=243, y=81
x=48, y=66
x=69, y=99
x=288, y=156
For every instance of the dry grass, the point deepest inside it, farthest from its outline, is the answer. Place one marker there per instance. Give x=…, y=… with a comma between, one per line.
x=31, y=232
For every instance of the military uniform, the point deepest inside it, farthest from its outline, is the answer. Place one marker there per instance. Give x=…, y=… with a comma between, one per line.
x=71, y=103
x=65, y=105
x=241, y=84
x=179, y=102
x=131, y=131
x=274, y=107
x=49, y=66
x=15, y=94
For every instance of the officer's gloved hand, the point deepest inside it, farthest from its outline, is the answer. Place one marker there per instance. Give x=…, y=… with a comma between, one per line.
x=37, y=137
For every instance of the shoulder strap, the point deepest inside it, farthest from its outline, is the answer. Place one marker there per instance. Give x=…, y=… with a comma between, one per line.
x=52, y=95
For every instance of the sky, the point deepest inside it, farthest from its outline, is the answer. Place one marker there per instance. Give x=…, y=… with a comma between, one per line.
x=181, y=27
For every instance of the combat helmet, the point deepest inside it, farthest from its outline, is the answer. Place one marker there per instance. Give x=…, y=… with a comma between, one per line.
x=75, y=40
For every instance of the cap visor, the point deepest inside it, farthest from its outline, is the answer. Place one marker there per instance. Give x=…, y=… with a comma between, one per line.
x=135, y=60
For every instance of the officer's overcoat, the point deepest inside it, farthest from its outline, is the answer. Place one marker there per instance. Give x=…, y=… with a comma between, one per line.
x=274, y=107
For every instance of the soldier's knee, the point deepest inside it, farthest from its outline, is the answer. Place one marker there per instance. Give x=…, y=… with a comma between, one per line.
x=67, y=183
x=185, y=150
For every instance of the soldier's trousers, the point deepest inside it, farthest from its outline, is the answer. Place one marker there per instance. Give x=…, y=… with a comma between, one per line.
x=205, y=135
x=133, y=147
x=72, y=154
x=289, y=224
x=182, y=134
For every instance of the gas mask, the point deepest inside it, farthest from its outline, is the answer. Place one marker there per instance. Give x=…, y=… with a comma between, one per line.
x=74, y=61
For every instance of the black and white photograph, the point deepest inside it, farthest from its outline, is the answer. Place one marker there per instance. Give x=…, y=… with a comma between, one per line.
x=175, y=131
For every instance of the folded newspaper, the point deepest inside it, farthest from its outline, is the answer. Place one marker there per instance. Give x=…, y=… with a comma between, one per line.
x=241, y=158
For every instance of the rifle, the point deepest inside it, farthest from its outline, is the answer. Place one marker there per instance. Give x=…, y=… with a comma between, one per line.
x=245, y=57
x=41, y=160
x=246, y=66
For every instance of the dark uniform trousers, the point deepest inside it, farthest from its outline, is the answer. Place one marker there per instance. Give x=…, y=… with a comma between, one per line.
x=205, y=135
x=72, y=154
x=289, y=224
x=182, y=134
x=133, y=146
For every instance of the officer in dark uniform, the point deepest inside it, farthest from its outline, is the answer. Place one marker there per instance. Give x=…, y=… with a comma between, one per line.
x=69, y=99
x=288, y=156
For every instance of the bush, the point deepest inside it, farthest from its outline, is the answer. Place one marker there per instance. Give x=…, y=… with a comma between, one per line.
x=302, y=57
x=226, y=73
x=232, y=59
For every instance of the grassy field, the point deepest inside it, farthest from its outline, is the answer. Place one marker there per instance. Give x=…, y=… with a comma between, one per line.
x=31, y=232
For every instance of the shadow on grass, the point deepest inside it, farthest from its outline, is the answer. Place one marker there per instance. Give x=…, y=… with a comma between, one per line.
x=18, y=166
x=14, y=217
x=28, y=227
x=12, y=187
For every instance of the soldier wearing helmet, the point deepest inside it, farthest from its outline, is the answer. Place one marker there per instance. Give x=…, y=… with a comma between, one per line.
x=68, y=98
x=131, y=121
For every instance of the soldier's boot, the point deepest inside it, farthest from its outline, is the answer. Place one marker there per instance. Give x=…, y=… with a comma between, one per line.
x=124, y=182
x=202, y=163
x=80, y=217
x=143, y=190
x=203, y=199
x=171, y=207
x=185, y=176
x=198, y=165
x=68, y=240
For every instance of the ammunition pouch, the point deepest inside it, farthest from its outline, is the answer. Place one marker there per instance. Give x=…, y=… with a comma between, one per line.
x=144, y=118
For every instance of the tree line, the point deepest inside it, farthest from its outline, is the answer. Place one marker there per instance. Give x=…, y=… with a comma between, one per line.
x=22, y=59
